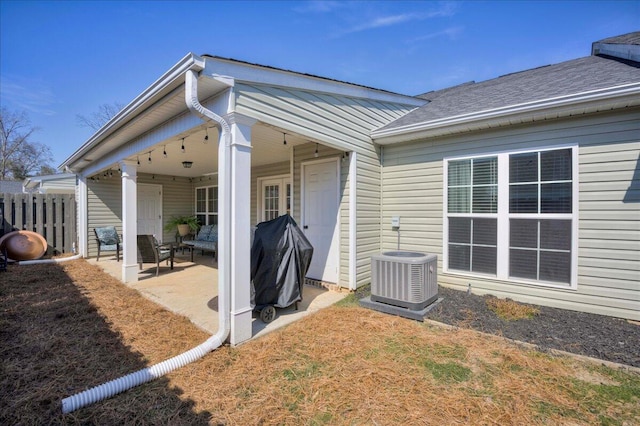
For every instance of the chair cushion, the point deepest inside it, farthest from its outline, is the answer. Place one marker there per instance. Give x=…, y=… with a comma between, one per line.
x=163, y=255
x=213, y=235
x=108, y=236
x=204, y=232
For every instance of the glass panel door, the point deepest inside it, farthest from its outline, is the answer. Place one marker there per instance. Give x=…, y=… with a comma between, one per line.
x=276, y=198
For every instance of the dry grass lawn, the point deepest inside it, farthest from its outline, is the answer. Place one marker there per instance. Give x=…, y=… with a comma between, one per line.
x=67, y=327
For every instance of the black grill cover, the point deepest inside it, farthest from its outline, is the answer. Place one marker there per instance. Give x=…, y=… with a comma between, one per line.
x=280, y=258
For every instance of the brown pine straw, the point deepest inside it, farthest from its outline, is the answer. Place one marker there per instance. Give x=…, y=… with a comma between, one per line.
x=68, y=327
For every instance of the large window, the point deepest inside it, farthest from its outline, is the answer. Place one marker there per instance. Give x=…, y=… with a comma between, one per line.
x=207, y=205
x=513, y=216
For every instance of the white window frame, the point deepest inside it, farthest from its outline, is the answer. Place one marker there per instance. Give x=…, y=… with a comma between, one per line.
x=206, y=212
x=503, y=217
x=283, y=181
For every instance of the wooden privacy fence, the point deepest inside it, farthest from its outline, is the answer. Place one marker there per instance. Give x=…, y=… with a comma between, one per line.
x=51, y=215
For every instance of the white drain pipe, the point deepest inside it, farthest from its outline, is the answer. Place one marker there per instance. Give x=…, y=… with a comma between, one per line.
x=56, y=260
x=129, y=381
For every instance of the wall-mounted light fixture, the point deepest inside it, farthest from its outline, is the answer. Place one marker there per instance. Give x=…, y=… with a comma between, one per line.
x=187, y=164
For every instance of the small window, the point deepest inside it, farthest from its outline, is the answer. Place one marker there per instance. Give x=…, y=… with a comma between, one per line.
x=207, y=205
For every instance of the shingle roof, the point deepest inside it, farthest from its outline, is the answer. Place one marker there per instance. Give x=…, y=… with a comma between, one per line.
x=630, y=38
x=566, y=78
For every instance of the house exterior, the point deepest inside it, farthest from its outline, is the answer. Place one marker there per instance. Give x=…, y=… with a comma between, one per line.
x=526, y=186
x=534, y=168
x=61, y=183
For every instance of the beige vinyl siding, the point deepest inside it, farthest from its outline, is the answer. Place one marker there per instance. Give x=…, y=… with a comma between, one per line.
x=67, y=184
x=609, y=207
x=104, y=200
x=368, y=213
x=341, y=122
x=105, y=203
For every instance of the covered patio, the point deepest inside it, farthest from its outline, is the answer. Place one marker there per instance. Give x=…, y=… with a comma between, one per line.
x=236, y=144
x=191, y=290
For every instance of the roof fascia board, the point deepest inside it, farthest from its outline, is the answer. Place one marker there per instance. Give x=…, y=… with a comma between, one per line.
x=481, y=119
x=175, y=73
x=249, y=73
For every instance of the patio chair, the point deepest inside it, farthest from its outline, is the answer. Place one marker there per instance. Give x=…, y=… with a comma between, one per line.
x=149, y=251
x=107, y=239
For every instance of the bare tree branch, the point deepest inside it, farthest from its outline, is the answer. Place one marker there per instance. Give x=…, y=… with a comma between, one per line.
x=19, y=157
x=97, y=119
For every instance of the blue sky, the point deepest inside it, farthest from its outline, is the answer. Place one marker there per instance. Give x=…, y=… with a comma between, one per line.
x=59, y=59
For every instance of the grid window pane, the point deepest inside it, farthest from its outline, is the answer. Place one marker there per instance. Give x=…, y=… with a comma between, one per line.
x=523, y=263
x=555, y=165
x=485, y=232
x=210, y=199
x=523, y=233
x=201, y=200
x=460, y=230
x=555, y=197
x=459, y=257
x=523, y=198
x=458, y=201
x=459, y=172
x=484, y=259
x=555, y=267
x=555, y=234
x=485, y=199
x=523, y=167
x=485, y=171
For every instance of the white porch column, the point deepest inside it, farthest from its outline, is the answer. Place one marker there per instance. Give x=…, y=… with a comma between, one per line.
x=241, y=318
x=83, y=216
x=129, y=221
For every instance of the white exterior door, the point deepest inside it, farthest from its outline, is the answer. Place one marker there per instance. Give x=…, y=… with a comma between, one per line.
x=320, y=209
x=275, y=198
x=150, y=210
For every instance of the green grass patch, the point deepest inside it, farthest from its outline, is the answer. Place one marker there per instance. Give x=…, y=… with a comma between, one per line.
x=448, y=372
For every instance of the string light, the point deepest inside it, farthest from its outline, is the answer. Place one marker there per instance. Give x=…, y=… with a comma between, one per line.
x=149, y=159
x=284, y=142
x=206, y=137
x=138, y=158
x=315, y=154
x=182, y=147
x=164, y=151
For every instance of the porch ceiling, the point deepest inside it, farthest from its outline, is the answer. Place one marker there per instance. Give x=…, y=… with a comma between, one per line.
x=267, y=148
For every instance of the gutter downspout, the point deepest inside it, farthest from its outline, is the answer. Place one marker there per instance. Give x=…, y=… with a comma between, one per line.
x=129, y=381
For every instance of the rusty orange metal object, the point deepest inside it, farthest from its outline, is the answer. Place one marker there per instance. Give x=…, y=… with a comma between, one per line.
x=24, y=245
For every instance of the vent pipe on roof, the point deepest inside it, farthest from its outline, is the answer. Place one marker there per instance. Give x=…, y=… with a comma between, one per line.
x=122, y=384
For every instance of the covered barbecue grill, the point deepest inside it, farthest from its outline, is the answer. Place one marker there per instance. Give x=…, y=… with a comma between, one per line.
x=280, y=258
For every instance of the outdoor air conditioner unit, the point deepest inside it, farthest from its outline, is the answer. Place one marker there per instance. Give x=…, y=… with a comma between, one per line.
x=405, y=279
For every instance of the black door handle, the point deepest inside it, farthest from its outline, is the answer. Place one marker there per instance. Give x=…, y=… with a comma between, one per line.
x=305, y=227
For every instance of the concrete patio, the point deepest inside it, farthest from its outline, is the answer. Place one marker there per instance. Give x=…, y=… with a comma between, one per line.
x=191, y=290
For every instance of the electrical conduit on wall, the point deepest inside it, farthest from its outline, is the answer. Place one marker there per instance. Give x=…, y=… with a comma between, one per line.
x=129, y=381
